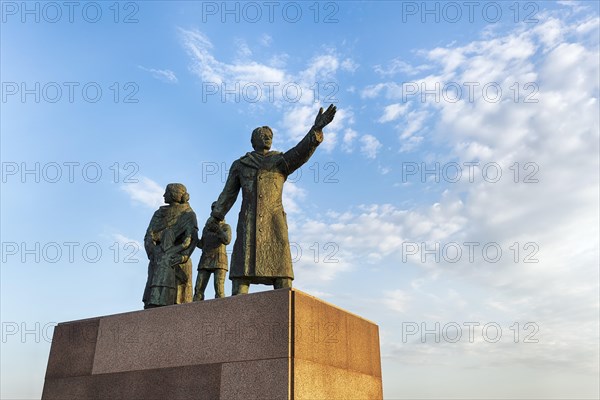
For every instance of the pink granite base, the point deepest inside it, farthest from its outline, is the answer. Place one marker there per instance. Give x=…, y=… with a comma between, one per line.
x=280, y=344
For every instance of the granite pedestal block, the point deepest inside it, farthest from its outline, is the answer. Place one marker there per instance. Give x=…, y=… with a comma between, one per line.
x=279, y=344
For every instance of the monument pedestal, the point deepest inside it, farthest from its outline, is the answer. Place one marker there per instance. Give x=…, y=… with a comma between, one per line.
x=279, y=344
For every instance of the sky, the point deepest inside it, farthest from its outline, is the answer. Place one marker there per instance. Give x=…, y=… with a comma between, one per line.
x=454, y=200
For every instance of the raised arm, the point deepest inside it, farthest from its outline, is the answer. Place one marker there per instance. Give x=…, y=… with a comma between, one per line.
x=298, y=155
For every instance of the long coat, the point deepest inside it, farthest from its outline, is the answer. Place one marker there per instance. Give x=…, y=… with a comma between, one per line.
x=170, y=240
x=261, y=251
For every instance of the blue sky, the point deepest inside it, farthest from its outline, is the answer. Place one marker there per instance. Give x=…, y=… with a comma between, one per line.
x=504, y=92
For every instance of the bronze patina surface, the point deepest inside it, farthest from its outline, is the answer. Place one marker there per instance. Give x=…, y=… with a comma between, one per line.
x=261, y=252
x=170, y=240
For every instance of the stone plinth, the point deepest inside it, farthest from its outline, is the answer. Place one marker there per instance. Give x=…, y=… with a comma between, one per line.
x=279, y=344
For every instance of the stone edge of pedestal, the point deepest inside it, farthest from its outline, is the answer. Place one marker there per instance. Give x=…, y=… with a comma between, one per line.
x=302, y=293
x=222, y=299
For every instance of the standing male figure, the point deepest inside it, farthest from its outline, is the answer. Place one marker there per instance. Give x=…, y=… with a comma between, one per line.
x=170, y=240
x=261, y=253
x=215, y=236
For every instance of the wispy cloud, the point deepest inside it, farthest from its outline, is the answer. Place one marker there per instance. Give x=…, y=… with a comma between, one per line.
x=393, y=112
x=165, y=75
x=297, y=93
x=266, y=40
x=558, y=214
x=399, y=66
x=292, y=194
x=125, y=241
x=145, y=192
x=348, y=139
x=369, y=145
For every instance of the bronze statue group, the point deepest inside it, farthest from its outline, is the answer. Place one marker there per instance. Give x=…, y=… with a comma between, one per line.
x=261, y=252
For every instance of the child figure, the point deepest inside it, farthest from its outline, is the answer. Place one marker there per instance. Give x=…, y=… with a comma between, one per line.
x=215, y=236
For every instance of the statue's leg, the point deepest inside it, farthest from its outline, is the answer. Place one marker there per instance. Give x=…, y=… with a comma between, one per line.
x=220, y=283
x=240, y=286
x=201, y=283
x=281, y=283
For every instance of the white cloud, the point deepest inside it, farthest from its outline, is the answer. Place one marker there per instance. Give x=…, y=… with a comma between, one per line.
x=146, y=192
x=209, y=69
x=278, y=60
x=393, y=111
x=398, y=66
x=588, y=26
x=344, y=118
x=295, y=93
x=557, y=218
x=577, y=6
x=297, y=120
x=384, y=170
x=348, y=140
x=396, y=300
x=349, y=65
x=369, y=145
x=392, y=90
x=330, y=140
x=165, y=75
x=370, y=235
x=243, y=51
x=266, y=40
x=320, y=67
x=125, y=241
x=413, y=123
x=292, y=194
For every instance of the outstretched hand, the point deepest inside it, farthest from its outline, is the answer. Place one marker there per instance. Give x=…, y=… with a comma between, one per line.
x=324, y=118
